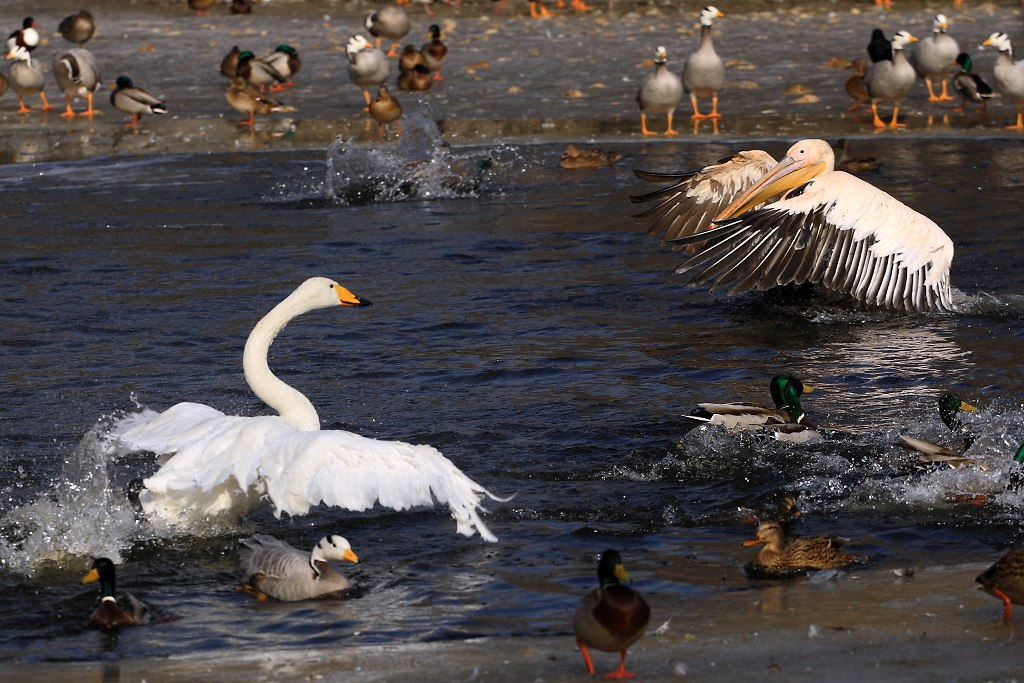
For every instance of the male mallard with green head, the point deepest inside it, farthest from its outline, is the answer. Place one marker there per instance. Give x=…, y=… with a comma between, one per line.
x=787, y=418
x=109, y=613
x=612, y=616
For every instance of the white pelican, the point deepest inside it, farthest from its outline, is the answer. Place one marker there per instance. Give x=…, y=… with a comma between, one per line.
x=659, y=93
x=830, y=228
x=704, y=71
x=285, y=573
x=223, y=465
x=1008, y=75
x=891, y=80
x=934, y=57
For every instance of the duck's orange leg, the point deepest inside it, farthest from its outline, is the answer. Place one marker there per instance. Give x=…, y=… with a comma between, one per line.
x=879, y=123
x=670, y=131
x=1007, y=605
x=89, y=111
x=68, y=112
x=621, y=671
x=586, y=656
x=644, y=130
x=1020, y=122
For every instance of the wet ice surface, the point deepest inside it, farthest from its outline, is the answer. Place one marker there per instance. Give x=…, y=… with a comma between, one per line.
x=524, y=326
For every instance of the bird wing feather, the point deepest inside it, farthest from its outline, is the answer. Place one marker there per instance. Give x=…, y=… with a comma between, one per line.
x=693, y=200
x=837, y=231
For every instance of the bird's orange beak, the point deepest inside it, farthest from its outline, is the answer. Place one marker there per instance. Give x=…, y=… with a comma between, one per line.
x=753, y=541
x=350, y=555
x=93, y=575
x=347, y=298
x=788, y=174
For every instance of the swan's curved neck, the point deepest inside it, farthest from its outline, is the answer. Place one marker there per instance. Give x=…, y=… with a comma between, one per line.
x=289, y=403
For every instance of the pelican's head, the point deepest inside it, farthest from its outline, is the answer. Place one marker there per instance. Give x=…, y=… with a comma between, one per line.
x=1000, y=41
x=804, y=161
x=901, y=39
x=661, y=55
x=940, y=24
x=709, y=14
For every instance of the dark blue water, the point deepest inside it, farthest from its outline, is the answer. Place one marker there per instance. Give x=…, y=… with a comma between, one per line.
x=527, y=328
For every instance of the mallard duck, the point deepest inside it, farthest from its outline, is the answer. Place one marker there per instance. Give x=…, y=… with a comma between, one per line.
x=78, y=28
x=135, y=101
x=388, y=22
x=109, y=614
x=385, y=109
x=3, y=84
x=256, y=71
x=704, y=70
x=933, y=58
x=409, y=59
x=229, y=65
x=1005, y=580
x=241, y=7
x=367, y=66
x=285, y=61
x=245, y=99
x=77, y=75
x=282, y=572
x=1008, y=75
x=855, y=85
x=27, y=36
x=659, y=93
x=787, y=417
x=970, y=86
x=417, y=79
x=891, y=80
x=574, y=157
x=201, y=7
x=26, y=79
x=612, y=616
x=435, y=52
x=793, y=553
x=950, y=407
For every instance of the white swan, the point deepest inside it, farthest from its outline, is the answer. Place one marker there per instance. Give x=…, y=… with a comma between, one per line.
x=225, y=465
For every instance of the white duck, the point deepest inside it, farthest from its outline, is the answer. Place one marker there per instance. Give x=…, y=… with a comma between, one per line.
x=222, y=465
x=285, y=573
x=367, y=66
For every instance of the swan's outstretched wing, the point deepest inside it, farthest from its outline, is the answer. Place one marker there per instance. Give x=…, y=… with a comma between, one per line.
x=837, y=231
x=223, y=464
x=693, y=200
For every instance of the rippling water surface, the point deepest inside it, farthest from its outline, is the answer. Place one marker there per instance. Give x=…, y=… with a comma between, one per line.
x=525, y=327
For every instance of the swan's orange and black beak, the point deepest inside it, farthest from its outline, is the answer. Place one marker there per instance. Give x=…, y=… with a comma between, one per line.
x=347, y=298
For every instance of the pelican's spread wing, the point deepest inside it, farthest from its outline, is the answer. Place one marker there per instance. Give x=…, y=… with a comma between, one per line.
x=837, y=231
x=224, y=464
x=693, y=200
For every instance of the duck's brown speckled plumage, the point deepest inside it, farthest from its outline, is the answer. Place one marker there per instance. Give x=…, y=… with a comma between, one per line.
x=795, y=553
x=1005, y=580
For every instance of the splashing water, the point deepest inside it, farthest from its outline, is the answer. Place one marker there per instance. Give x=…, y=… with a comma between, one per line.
x=419, y=165
x=83, y=516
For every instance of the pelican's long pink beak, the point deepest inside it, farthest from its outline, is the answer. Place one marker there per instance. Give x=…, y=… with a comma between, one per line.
x=788, y=174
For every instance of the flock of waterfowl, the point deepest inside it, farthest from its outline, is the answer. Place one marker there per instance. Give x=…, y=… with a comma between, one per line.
x=748, y=222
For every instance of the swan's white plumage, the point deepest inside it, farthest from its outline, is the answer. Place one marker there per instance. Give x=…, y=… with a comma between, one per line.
x=224, y=464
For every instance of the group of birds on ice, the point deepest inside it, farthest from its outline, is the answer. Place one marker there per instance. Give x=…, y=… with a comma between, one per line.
x=889, y=78
x=78, y=75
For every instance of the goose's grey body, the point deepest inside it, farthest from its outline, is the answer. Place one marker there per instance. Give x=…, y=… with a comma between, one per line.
x=26, y=76
x=367, y=66
x=934, y=57
x=704, y=70
x=890, y=81
x=78, y=75
x=289, y=574
x=1008, y=75
x=659, y=93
